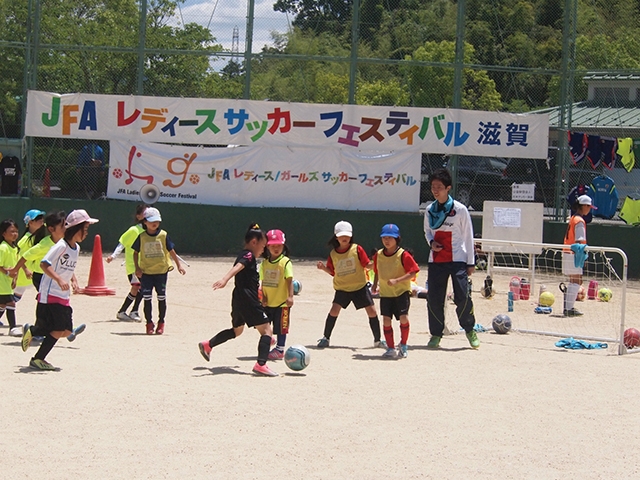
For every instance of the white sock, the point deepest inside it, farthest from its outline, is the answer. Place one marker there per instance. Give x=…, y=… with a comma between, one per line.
x=572, y=294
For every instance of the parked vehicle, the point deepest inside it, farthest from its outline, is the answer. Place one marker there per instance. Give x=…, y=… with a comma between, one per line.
x=479, y=179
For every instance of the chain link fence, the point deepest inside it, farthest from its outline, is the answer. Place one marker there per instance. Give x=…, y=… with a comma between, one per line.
x=369, y=52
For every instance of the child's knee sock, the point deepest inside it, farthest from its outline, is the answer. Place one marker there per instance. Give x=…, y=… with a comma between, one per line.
x=388, y=336
x=2, y=309
x=11, y=316
x=127, y=301
x=45, y=348
x=404, y=333
x=147, y=309
x=222, y=337
x=263, y=349
x=282, y=340
x=136, y=302
x=329, y=323
x=162, y=308
x=571, y=295
x=374, y=323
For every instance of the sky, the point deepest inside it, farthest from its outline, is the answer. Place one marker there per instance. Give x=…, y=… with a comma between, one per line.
x=222, y=15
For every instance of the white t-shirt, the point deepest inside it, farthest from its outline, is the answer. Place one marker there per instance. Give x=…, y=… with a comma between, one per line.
x=62, y=259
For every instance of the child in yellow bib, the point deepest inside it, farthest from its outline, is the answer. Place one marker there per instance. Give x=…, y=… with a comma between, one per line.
x=346, y=264
x=8, y=260
x=276, y=274
x=394, y=268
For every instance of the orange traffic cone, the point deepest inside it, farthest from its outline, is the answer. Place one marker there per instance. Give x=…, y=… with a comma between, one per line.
x=46, y=184
x=97, y=285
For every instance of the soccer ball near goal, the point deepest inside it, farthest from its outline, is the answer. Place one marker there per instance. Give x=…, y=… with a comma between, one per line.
x=631, y=338
x=501, y=323
x=582, y=294
x=604, y=294
x=546, y=299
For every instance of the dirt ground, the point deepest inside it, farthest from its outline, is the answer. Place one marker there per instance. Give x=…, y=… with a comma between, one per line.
x=128, y=405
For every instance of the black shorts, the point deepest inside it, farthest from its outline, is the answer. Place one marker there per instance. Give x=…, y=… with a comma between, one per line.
x=280, y=318
x=133, y=280
x=361, y=298
x=246, y=314
x=395, y=306
x=9, y=298
x=53, y=317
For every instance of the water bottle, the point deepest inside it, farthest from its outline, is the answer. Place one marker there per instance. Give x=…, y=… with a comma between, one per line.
x=592, y=292
x=487, y=291
x=525, y=289
x=510, y=302
x=545, y=310
x=514, y=287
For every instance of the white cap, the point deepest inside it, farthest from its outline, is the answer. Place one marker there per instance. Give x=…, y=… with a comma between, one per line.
x=585, y=200
x=152, y=214
x=343, y=229
x=76, y=217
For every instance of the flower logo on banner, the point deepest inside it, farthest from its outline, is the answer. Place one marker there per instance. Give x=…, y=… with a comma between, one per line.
x=195, y=179
x=117, y=173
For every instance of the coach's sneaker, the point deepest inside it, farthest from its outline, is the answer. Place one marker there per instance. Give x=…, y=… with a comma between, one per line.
x=123, y=316
x=135, y=316
x=150, y=328
x=323, y=342
x=472, y=336
x=205, y=349
x=264, y=370
x=76, y=331
x=380, y=344
x=403, y=351
x=38, y=364
x=434, y=342
x=572, y=312
x=160, y=329
x=26, y=337
x=390, y=353
x=275, y=354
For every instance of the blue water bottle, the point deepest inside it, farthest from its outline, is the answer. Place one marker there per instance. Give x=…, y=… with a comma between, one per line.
x=510, y=302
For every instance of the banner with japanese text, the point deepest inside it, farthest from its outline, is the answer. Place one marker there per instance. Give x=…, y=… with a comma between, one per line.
x=204, y=121
x=267, y=176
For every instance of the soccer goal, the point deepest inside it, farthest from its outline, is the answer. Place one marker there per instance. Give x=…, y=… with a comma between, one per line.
x=603, y=305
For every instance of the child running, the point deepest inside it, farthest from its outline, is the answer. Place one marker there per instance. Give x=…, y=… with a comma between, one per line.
x=124, y=243
x=576, y=234
x=35, y=231
x=346, y=264
x=8, y=260
x=54, y=313
x=394, y=268
x=276, y=274
x=152, y=254
x=246, y=308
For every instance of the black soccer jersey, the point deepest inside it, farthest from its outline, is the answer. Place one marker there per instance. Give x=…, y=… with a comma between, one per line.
x=10, y=172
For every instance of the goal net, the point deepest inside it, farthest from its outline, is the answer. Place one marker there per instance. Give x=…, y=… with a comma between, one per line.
x=524, y=268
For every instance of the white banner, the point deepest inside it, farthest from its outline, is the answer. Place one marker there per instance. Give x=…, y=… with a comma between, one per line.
x=204, y=121
x=267, y=176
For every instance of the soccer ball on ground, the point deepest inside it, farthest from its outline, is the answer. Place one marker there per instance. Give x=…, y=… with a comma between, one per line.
x=604, y=294
x=501, y=323
x=297, y=357
x=582, y=294
x=546, y=299
x=631, y=338
x=297, y=287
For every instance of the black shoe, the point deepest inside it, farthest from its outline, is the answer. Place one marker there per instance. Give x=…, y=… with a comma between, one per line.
x=572, y=312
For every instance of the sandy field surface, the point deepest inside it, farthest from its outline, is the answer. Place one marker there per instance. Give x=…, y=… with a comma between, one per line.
x=127, y=405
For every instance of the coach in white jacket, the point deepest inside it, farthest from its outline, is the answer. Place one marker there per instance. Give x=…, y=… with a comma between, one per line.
x=449, y=232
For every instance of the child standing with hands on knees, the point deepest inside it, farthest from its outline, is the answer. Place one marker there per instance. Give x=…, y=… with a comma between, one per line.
x=276, y=274
x=346, y=264
x=246, y=308
x=124, y=243
x=54, y=313
x=394, y=268
x=152, y=254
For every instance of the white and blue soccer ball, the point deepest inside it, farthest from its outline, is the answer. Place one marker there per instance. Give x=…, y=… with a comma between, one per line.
x=297, y=357
x=501, y=323
x=297, y=287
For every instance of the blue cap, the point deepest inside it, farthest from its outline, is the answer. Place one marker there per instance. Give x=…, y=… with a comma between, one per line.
x=32, y=215
x=390, y=230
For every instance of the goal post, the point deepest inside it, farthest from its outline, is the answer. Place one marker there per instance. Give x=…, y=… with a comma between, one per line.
x=602, y=321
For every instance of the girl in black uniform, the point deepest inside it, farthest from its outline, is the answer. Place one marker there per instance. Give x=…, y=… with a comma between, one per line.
x=246, y=308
